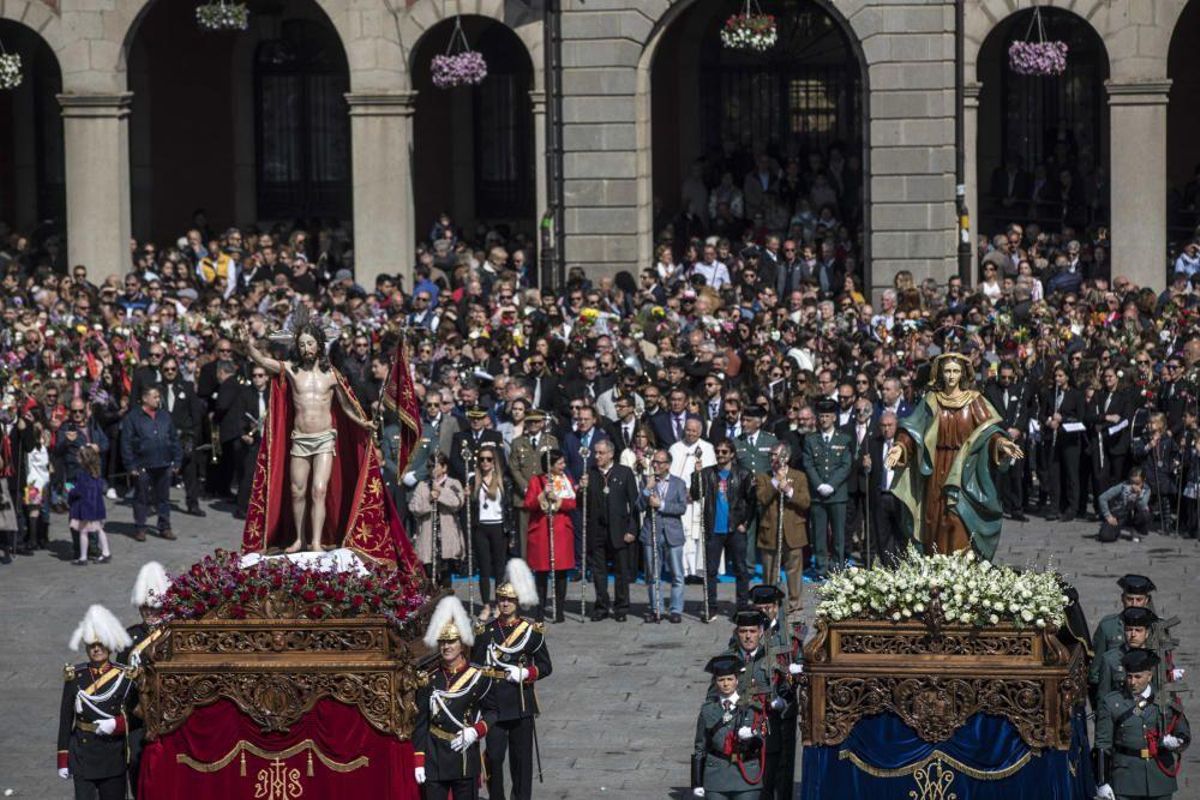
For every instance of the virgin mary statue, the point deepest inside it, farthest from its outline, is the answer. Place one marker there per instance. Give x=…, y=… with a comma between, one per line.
x=945, y=456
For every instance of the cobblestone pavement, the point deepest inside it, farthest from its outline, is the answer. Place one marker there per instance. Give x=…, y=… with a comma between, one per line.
x=620, y=708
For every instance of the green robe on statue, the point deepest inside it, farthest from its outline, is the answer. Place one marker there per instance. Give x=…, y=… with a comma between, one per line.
x=946, y=483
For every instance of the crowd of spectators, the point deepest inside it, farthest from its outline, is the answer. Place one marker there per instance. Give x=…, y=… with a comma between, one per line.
x=724, y=336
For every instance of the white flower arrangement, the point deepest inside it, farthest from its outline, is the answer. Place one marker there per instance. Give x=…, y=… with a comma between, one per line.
x=968, y=590
x=222, y=16
x=749, y=30
x=10, y=71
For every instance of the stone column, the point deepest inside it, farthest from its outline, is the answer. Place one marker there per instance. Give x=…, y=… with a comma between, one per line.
x=381, y=131
x=1138, y=197
x=96, y=144
x=537, y=100
x=971, y=163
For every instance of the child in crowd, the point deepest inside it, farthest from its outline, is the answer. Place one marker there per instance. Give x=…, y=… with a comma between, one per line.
x=87, y=506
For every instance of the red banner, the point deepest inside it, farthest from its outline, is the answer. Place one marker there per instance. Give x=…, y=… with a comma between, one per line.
x=331, y=752
x=399, y=396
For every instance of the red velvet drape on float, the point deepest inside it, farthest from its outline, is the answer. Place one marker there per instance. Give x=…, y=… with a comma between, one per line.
x=359, y=513
x=332, y=752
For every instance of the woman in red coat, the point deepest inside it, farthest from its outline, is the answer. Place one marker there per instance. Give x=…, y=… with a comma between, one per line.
x=549, y=499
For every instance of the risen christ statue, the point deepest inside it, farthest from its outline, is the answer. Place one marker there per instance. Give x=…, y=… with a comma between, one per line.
x=313, y=384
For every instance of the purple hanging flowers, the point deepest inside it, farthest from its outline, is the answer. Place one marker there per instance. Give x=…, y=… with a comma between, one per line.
x=1038, y=58
x=467, y=68
x=459, y=65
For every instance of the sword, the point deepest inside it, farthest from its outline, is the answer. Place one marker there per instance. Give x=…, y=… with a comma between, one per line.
x=537, y=751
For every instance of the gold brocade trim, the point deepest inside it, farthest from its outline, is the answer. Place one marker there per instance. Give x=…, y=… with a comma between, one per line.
x=936, y=755
x=243, y=747
x=955, y=402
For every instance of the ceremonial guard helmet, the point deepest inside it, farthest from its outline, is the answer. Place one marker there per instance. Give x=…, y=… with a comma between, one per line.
x=99, y=625
x=518, y=584
x=449, y=623
x=151, y=586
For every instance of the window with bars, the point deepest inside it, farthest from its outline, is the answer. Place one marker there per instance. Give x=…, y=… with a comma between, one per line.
x=503, y=147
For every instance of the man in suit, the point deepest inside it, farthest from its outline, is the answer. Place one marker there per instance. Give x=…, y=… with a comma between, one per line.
x=662, y=503
x=859, y=431
x=710, y=401
x=539, y=382
x=624, y=427
x=1010, y=398
x=149, y=373
x=728, y=426
x=611, y=492
x=585, y=435
x=251, y=409
x=187, y=411
x=781, y=485
x=587, y=387
x=221, y=476
x=606, y=403
x=891, y=398
x=827, y=455
x=469, y=441
x=887, y=520
x=668, y=423
x=1062, y=431
x=1107, y=417
x=438, y=428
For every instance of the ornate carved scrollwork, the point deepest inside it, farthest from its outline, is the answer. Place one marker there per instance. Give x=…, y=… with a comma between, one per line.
x=240, y=641
x=934, y=707
x=940, y=643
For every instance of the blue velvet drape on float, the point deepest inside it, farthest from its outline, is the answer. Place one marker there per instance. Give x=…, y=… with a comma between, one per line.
x=986, y=759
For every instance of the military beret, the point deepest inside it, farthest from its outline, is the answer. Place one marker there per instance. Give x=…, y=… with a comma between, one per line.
x=827, y=406
x=758, y=412
x=1136, y=584
x=476, y=412
x=535, y=415
x=1138, y=617
x=726, y=664
x=765, y=593
x=1139, y=660
x=749, y=617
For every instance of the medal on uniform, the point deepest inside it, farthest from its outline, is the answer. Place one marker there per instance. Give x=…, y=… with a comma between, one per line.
x=727, y=717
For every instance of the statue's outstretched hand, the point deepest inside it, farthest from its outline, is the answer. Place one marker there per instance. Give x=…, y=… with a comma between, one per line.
x=1011, y=450
x=895, y=457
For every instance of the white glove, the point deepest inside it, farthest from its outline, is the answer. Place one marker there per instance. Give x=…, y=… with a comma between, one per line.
x=745, y=733
x=106, y=726
x=64, y=773
x=778, y=704
x=135, y=660
x=698, y=791
x=824, y=490
x=795, y=669
x=1171, y=742
x=1177, y=674
x=464, y=740
x=410, y=480
x=419, y=774
x=1105, y=792
x=516, y=674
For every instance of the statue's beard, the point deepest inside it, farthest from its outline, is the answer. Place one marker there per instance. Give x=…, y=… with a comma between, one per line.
x=308, y=360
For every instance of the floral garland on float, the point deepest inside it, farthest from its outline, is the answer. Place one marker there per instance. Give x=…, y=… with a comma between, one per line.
x=966, y=590
x=460, y=65
x=749, y=30
x=226, y=585
x=1038, y=58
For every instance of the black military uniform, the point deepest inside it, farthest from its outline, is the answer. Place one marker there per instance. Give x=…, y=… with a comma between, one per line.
x=502, y=647
x=448, y=703
x=96, y=761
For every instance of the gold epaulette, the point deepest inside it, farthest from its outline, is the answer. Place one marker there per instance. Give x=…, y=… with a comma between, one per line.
x=480, y=627
x=540, y=627
x=68, y=673
x=422, y=678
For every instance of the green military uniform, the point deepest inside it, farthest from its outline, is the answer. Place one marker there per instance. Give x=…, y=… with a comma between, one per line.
x=783, y=648
x=1110, y=633
x=1123, y=724
x=725, y=764
x=523, y=464
x=827, y=460
x=1112, y=673
x=753, y=452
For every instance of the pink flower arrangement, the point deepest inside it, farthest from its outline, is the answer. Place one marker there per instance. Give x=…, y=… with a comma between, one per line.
x=218, y=586
x=467, y=68
x=1037, y=58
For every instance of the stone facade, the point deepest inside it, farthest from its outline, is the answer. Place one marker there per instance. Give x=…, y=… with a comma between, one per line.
x=905, y=50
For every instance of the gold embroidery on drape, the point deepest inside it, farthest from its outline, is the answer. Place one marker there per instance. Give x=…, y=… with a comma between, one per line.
x=243, y=747
x=939, y=756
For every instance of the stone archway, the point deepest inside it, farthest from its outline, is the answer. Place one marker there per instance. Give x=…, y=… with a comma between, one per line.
x=848, y=129
x=32, y=185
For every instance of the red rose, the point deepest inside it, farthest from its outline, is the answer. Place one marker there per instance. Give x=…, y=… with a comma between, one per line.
x=339, y=595
x=199, y=607
x=315, y=612
x=309, y=595
x=277, y=581
x=262, y=591
x=356, y=601
x=227, y=592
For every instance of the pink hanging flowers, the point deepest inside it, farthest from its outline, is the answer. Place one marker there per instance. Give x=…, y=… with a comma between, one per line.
x=1038, y=58
x=467, y=68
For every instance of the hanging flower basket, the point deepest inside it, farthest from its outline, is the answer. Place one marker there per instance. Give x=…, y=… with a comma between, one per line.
x=10, y=71
x=459, y=65
x=1040, y=57
x=216, y=17
x=749, y=30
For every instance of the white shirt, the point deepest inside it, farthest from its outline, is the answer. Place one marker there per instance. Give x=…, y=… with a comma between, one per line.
x=683, y=459
x=490, y=510
x=715, y=274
